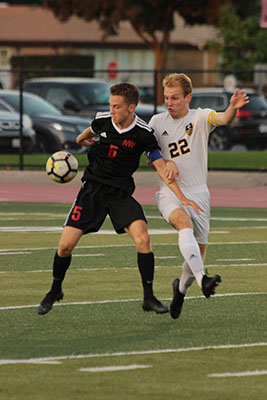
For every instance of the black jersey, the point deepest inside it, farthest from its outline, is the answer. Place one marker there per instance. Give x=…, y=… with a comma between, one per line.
x=115, y=155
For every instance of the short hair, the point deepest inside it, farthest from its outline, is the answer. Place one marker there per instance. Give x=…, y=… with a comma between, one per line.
x=127, y=90
x=182, y=80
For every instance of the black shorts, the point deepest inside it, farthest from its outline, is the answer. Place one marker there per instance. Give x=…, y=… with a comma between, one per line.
x=95, y=201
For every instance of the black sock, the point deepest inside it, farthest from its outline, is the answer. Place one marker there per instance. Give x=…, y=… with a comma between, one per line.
x=146, y=269
x=60, y=266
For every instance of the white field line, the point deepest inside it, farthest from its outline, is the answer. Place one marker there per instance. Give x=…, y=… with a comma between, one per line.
x=164, y=257
x=128, y=245
x=55, y=229
x=85, y=303
x=77, y=247
x=26, y=229
x=11, y=253
x=31, y=361
x=112, y=368
x=63, y=215
x=238, y=219
x=239, y=228
x=58, y=229
x=28, y=214
x=87, y=255
x=238, y=374
x=234, y=243
x=31, y=217
x=130, y=353
x=235, y=259
x=93, y=269
x=235, y=265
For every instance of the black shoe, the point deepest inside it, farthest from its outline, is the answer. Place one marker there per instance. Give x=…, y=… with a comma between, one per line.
x=209, y=284
x=153, y=304
x=177, y=300
x=48, y=301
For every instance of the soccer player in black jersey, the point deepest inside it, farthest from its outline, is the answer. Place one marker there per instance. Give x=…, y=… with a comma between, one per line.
x=107, y=189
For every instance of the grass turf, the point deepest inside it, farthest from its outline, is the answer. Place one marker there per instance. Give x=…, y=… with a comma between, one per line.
x=100, y=322
x=223, y=160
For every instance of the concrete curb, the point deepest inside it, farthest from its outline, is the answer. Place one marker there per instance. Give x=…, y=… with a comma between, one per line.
x=227, y=180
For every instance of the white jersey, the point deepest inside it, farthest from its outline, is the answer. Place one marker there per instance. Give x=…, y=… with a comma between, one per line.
x=185, y=141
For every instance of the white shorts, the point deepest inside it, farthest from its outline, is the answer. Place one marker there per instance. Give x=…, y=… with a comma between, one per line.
x=167, y=202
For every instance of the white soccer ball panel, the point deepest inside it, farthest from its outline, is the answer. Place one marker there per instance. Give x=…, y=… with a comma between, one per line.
x=62, y=167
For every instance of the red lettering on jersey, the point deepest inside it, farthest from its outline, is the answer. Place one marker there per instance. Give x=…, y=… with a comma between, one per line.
x=128, y=143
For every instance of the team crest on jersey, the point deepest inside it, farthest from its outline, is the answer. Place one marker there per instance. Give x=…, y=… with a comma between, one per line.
x=189, y=129
x=103, y=134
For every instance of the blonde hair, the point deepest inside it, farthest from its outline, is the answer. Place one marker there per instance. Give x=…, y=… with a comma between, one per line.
x=181, y=80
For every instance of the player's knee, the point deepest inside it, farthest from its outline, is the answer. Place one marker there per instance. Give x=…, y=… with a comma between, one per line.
x=142, y=241
x=65, y=249
x=181, y=221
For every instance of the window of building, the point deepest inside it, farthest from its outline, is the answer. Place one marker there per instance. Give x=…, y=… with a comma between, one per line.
x=4, y=57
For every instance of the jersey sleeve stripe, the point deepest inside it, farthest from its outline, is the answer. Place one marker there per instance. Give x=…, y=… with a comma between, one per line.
x=143, y=124
x=105, y=114
x=211, y=118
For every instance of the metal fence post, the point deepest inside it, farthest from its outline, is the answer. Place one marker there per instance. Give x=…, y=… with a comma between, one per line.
x=21, y=164
x=155, y=81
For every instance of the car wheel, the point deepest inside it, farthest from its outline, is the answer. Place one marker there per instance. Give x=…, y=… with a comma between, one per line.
x=42, y=145
x=219, y=139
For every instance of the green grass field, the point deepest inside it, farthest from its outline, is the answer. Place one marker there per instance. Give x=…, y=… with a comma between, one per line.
x=98, y=344
x=223, y=160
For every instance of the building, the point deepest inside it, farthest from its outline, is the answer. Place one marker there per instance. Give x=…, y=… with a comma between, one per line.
x=32, y=30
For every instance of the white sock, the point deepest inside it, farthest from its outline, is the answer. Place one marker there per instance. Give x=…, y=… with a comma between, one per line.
x=191, y=253
x=187, y=278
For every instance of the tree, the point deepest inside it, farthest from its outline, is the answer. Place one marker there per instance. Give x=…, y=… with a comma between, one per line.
x=249, y=9
x=152, y=20
x=241, y=43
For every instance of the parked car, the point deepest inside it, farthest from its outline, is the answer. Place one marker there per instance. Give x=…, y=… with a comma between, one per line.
x=10, y=131
x=249, y=127
x=80, y=96
x=54, y=131
x=146, y=93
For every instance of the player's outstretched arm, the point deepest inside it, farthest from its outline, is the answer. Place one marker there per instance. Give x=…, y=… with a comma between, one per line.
x=237, y=101
x=159, y=165
x=86, y=138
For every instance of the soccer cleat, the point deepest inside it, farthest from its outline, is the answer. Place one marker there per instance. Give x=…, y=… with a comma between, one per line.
x=177, y=300
x=153, y=304
x=48, y=301
x=209, y=284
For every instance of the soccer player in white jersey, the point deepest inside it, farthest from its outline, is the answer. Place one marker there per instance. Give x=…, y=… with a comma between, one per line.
x=182, y=135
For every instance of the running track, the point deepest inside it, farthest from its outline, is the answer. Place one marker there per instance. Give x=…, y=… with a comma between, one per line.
x=55, y=193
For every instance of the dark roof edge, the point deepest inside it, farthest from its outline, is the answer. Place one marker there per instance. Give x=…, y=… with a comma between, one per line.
x=64, y=43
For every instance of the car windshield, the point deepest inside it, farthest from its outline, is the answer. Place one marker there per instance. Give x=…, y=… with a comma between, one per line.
x=3, y=108
x=93, y=94
x=32, y=105
x=256, y=103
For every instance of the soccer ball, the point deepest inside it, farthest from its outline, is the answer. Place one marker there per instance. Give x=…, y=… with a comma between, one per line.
x=62, y=167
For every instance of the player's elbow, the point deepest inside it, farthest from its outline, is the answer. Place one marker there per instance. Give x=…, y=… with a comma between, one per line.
x=78, y=139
